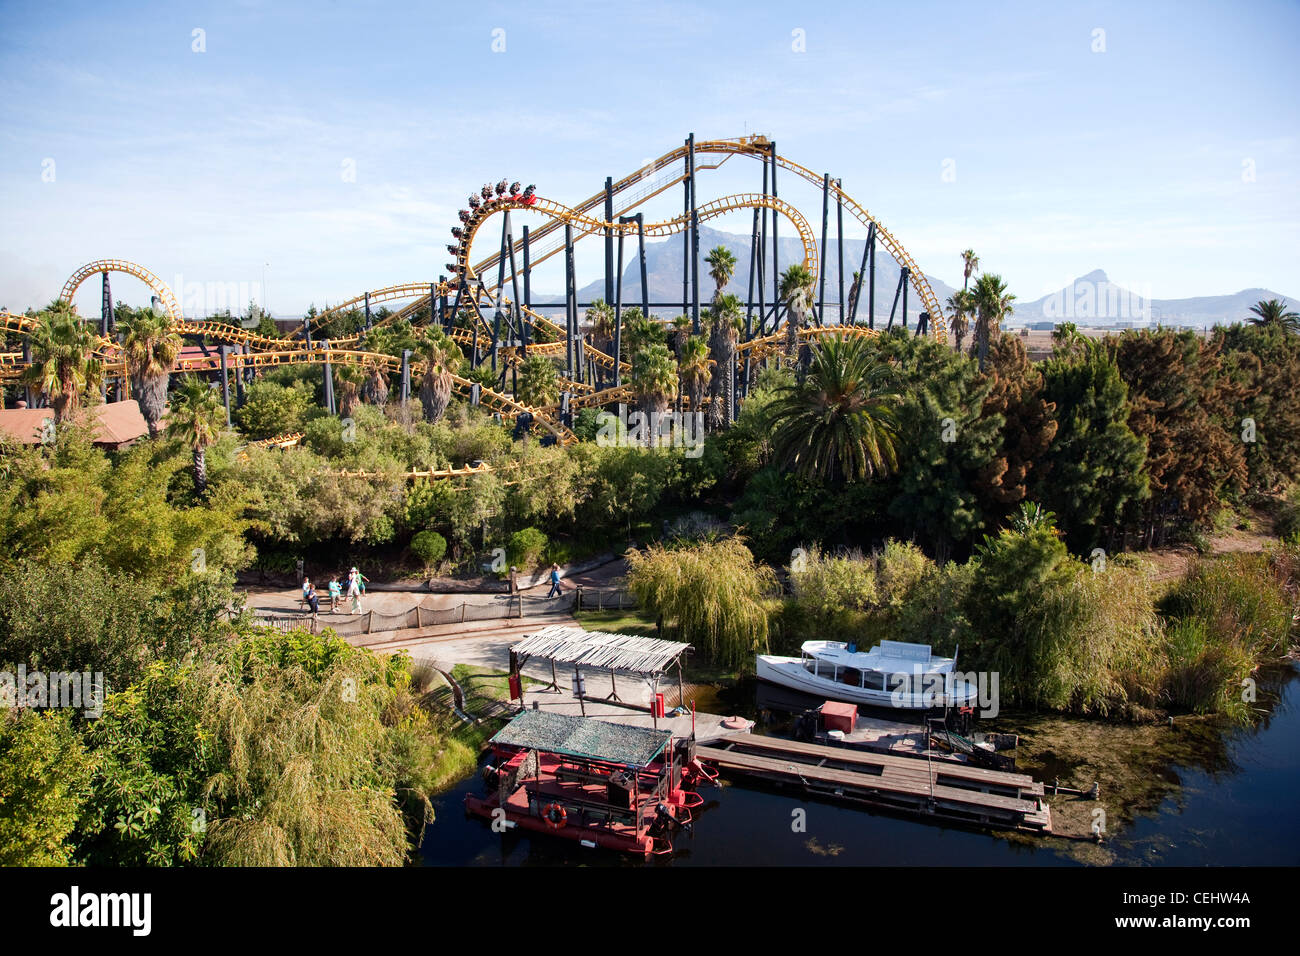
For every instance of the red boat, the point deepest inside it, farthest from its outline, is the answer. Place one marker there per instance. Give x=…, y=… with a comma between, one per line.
x=601, y=784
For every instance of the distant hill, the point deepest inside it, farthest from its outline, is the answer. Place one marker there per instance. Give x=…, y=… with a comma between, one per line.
x=1091, y=299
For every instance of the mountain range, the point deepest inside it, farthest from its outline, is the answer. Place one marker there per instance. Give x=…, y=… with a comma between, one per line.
x=1091, y=299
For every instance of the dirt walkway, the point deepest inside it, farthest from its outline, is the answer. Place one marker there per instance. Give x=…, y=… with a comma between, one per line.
x=1172, y=562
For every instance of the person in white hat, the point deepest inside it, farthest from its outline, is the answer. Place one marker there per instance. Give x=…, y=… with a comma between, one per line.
x=354, y=590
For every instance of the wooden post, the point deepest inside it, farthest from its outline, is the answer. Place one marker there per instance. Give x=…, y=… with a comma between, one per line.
x=577, y=687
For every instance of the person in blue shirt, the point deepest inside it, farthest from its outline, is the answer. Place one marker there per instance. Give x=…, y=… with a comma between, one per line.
x=556, y=590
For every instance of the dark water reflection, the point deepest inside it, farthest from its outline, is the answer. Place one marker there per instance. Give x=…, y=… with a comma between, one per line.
x=1193, y=795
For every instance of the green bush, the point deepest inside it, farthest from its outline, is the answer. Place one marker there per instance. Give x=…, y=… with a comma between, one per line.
x=713, y=596
x=1240, y=599
x=429, y=547
x=270, y=410
x=526, y=548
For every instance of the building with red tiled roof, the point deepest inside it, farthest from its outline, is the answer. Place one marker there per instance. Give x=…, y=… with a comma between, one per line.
x=117, y=425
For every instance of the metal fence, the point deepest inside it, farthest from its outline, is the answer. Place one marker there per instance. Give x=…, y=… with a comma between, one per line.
x=604, y=599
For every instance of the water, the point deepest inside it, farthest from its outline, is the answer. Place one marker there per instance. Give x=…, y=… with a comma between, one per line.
x=1195, y=796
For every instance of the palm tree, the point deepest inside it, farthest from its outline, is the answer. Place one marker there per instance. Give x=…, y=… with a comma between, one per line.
x=1274, y=314
x=970, y=264
x=150, y=346
x=992, y=305
x=539, y=382
x=351, y=380
x=722, y=266
x=601, y=319
x=654, y=377
x=960, y=307
x=838, y=424
x=374, y=389
x=440, y=355
x=681, y=331
x=63, y=359
x=693, y=365
x=855, y=289
x=724, y=319
x=196, y=419
x=796, y=292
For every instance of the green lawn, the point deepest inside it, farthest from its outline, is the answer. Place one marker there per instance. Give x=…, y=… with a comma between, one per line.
x=633, y=621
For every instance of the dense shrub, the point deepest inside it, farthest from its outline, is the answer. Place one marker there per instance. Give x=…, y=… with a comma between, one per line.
x=271, y=409
x=710, y=595
x=429, y=547
x=526, y=548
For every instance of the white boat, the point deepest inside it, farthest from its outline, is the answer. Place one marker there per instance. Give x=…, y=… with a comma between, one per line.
x=891, y=674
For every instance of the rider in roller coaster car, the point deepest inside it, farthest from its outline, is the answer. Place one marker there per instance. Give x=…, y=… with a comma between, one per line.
x=530, y=194
x=486, y=191
x=502, y=187
x=474, y=201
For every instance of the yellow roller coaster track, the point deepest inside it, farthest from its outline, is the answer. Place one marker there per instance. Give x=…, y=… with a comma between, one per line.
x=755, y=147
x=557, y=212
x=160, y=288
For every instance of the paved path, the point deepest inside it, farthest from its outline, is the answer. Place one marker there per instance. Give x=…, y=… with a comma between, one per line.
x=281, y=600
x=487, y=644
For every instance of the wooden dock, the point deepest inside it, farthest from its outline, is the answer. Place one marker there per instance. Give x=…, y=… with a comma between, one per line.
x=993, y=799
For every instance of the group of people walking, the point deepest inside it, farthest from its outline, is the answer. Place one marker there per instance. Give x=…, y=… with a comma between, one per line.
x=356, y=590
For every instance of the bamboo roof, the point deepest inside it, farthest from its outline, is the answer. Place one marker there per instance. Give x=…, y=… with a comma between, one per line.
x=566, y=644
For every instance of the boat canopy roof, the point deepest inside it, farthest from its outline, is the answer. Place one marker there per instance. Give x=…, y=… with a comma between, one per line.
x=887, y=656
x=583, y=737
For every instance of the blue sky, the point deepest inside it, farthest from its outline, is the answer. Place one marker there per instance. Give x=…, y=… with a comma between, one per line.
x=1171, y=159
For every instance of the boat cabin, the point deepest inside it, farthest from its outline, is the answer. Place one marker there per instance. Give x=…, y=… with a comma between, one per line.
x=882, y=668
x=599, y=783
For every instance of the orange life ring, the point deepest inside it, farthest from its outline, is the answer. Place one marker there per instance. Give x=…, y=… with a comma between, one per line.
x=555, y=816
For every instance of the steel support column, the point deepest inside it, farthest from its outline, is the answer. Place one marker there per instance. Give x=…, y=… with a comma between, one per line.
x=640, y=248
x=839, y=240
x=106, y=308
x=776, y=242
x=686, y=239
x=609, y=239
x=821, y=252
x=866, y=250
x=329, y=379
x=516, y=313
x=225, y=381
x=695, y=242
x=570, y=302
x=871, y=280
